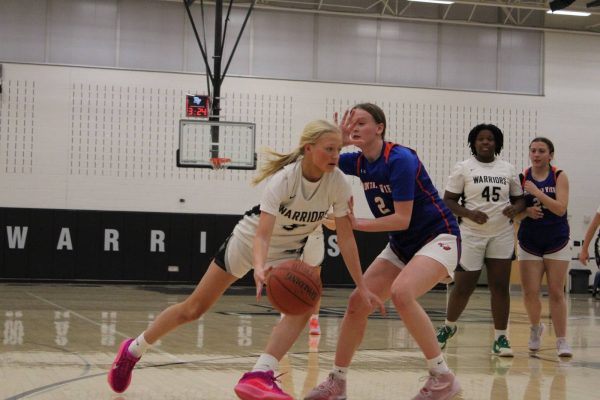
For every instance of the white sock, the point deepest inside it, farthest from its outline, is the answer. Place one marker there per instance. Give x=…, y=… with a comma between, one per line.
x=266, y=362
x=450, y=324
x=315, y=316
x=499, y=333
x=340, y=372
x=437, y=365
x=139, y=346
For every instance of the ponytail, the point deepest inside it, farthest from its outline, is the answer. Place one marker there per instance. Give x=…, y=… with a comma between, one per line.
x=310, y=134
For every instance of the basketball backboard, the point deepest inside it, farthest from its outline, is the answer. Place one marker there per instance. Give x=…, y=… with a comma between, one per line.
x=201, y=141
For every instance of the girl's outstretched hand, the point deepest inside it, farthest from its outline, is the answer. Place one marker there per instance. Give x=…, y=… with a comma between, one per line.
x=347, y=126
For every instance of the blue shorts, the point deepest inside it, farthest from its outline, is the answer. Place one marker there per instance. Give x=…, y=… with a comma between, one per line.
x=540, y=243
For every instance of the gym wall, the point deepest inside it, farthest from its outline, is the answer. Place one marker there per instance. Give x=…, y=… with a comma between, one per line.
x=80, y=146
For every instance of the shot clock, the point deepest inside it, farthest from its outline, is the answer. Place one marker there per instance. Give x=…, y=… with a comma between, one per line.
x=196, y=105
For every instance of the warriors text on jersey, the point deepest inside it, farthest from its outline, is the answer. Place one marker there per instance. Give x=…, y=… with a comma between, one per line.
x=399, y=175
x=486, y=187
x=298, y=206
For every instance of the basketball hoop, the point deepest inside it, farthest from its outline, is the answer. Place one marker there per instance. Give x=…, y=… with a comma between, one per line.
x=220, y=163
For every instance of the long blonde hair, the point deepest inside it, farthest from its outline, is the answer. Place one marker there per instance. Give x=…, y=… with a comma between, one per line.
x=311, y=133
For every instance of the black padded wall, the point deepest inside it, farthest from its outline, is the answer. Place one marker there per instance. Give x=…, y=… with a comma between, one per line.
x=74, y=245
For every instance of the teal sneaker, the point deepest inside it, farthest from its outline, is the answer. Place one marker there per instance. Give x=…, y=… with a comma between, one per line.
x=444, y=333
x=501, y=347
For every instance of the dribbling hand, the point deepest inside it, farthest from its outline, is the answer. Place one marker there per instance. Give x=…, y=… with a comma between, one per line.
x=260, y=275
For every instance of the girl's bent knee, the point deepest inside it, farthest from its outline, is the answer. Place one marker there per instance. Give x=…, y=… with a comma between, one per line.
x=402, y=298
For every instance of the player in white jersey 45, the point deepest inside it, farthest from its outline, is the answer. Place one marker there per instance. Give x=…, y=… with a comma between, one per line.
x=301, y=188
x=492, y=196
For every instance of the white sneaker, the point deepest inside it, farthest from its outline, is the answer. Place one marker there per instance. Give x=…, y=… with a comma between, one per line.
x=535, y=337
x=563, y=349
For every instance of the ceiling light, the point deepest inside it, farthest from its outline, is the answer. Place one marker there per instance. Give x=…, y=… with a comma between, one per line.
x=572, y=13
x=433, y=1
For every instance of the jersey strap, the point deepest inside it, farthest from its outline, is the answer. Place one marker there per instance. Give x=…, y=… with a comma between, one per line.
x=555, y=171
x=386, y=155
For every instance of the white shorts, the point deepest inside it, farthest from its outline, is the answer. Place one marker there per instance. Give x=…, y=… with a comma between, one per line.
x=475, y=249
x=444, y=249
x=238, y=257
x=563, y=254
x=314, y=249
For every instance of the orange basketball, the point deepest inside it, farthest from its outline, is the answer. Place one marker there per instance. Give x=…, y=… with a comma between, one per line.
x=293, y=287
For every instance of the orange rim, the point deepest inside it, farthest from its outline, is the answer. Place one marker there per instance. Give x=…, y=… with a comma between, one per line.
x=220, y=162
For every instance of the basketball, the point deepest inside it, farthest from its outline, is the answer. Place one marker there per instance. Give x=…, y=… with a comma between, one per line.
x=293, y=287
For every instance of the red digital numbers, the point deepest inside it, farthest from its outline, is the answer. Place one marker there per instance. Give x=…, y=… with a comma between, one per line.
x=197, y=112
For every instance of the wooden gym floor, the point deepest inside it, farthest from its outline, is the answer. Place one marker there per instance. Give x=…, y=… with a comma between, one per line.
x=58, y=342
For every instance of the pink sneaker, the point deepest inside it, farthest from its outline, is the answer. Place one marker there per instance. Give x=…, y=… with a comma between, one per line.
x=260, y=385
x=331, y=389
x=439, y=387
x=119, y=376
x=313, y=327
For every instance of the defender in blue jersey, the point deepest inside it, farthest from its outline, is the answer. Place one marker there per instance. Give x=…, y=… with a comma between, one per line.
x=399, y=176
x=544, y=243
x=423, y=248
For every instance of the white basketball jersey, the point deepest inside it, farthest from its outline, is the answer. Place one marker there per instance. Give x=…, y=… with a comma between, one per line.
x=486, y=187
x=298, y=207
